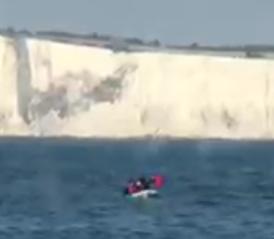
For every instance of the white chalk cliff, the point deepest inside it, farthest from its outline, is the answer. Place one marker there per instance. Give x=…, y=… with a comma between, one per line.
x=55, y=89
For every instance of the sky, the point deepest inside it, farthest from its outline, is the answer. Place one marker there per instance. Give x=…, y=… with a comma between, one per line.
x=206, y=22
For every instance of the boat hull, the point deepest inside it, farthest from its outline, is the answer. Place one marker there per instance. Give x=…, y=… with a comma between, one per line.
x=145, y=194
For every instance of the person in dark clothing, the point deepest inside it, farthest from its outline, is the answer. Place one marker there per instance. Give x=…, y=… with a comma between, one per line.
x=145, y=184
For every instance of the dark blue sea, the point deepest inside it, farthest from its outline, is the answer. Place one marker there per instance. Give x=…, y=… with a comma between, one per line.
x=72, y=188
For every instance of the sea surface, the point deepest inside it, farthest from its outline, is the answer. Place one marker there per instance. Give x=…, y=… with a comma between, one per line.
x=72, y=188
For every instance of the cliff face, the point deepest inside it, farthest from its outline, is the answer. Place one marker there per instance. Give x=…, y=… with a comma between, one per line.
x=49, y=88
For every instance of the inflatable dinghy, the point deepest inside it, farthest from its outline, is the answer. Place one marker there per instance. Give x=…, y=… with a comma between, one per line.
x=148, y=193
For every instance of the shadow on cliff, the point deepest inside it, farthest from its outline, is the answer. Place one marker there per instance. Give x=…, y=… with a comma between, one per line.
x=77, y=92
x=24, y=88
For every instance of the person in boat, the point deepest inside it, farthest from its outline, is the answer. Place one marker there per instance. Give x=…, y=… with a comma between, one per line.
x=131, y=187
x=135, y=186
x=144, y=183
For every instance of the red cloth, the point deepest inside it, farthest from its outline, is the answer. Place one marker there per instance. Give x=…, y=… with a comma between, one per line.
x=158, y=181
